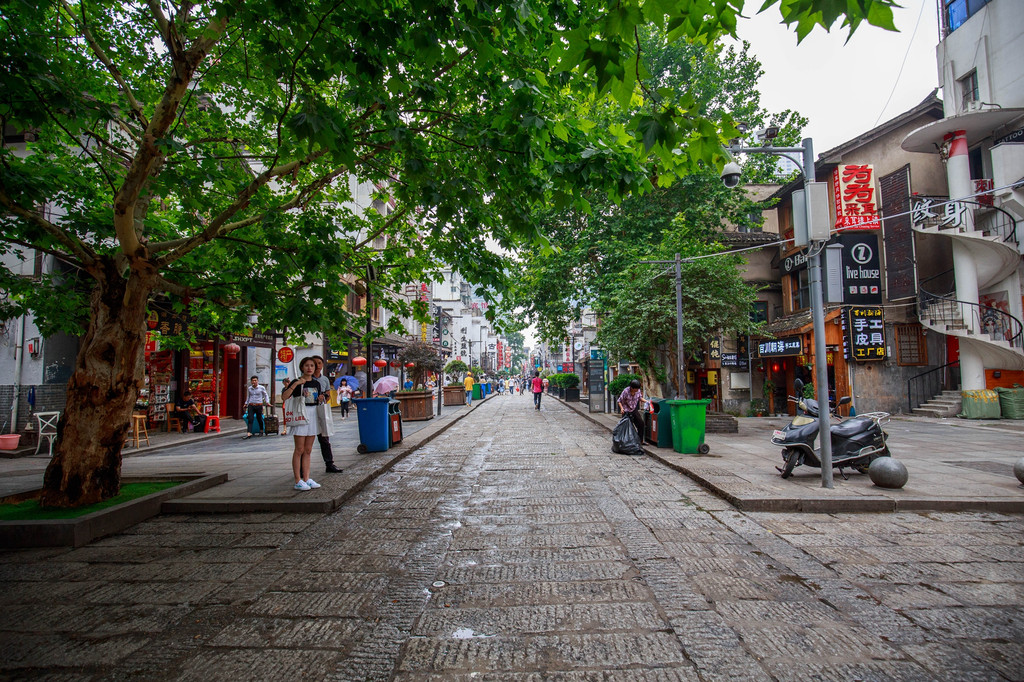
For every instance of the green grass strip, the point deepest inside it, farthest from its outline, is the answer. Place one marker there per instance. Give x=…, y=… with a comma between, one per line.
x=29, y=510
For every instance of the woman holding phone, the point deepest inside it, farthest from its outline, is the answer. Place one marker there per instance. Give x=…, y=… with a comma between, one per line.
x=308, y=387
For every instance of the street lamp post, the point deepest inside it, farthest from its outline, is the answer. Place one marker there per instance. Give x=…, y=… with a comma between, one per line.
x=815, y=246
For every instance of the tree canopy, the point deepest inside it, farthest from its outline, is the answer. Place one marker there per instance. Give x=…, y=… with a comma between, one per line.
x=227, y=157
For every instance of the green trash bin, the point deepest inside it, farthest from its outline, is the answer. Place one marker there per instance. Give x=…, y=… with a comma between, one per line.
x=688, y=418
x=478, y=392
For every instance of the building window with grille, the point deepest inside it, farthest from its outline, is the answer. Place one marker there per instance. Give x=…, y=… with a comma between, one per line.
x=911, y=348
x=968, y=90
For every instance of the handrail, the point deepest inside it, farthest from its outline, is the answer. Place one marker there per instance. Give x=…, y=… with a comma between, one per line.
x=1007, y=228
x=930, y=383
x=977, y=317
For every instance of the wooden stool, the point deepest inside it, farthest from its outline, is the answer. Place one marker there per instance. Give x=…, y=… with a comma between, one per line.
x=173, y=423
x=212, y=423
x=139, y=430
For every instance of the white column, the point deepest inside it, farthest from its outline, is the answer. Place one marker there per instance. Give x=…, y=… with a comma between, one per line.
x=965, y=271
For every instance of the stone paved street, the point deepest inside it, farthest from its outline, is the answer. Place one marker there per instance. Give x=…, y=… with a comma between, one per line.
x=516, y=546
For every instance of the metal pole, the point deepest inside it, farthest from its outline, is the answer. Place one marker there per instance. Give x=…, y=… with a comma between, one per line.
x=680, y=355
x=440, y=373
x=818, y=318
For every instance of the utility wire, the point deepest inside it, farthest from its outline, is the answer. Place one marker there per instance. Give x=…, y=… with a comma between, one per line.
x=905, y=55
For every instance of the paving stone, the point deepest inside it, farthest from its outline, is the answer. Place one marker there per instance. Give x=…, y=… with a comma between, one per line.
x=554, y=618
x=516, y=547
x=287, y=633
x=235, y=664
x=311, y=604
x=426, y=654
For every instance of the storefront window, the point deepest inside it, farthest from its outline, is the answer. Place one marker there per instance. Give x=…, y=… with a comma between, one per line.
x=159, y=374
x=199, y=375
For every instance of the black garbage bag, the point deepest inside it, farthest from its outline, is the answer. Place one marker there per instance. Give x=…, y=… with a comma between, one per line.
x=625, y=439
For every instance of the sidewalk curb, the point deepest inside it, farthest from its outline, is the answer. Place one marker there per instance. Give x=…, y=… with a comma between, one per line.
x=365, y=473
x=819, y=504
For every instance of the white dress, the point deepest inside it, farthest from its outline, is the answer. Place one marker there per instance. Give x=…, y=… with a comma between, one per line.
x=310, y=428
x=310, y=393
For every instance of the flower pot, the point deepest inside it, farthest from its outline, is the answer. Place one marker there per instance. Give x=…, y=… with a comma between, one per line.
x=9, y=441
x=454, y=395
x=416, y=405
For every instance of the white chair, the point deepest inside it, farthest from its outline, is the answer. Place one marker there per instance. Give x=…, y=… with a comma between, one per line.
x=47, y=427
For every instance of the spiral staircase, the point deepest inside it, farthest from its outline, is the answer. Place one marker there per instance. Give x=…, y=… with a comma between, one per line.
x=992, y=333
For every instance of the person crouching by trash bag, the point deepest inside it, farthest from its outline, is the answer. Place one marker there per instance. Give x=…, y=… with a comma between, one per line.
x=631, y=400
x=628, y=434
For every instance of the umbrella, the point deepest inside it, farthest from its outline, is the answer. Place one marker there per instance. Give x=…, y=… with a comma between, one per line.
x=385, y=384
x=353, y=383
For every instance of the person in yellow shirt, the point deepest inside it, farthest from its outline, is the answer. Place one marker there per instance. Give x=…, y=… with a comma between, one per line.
x=468, y=382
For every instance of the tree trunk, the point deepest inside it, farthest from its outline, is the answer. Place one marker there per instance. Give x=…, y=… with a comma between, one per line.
x=86, y=465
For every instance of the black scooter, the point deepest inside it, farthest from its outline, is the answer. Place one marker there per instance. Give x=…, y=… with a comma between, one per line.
x=856, y=442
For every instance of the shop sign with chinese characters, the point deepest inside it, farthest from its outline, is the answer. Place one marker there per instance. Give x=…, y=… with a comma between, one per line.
x=788, y=346
x=715, y=349
x=938, y=212
x=867, y=334
x=853, y=189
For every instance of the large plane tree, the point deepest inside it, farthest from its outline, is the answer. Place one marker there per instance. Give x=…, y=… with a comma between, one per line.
x=205, y=153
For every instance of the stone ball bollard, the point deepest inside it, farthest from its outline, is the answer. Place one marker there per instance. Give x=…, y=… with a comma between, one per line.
x=1018, y=469
x=886, y=472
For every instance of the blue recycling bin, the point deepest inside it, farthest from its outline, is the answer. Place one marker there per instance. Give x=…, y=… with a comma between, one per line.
x=374, y=425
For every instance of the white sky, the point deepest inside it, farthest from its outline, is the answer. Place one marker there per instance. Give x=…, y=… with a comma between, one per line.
x=843, y=87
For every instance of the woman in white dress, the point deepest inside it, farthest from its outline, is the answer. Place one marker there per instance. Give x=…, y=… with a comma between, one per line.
x=304, y=434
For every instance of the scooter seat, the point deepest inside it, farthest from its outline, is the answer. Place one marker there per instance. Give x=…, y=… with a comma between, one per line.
x=851, y=426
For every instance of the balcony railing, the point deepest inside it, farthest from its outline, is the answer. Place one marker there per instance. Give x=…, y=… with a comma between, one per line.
x=971, y=318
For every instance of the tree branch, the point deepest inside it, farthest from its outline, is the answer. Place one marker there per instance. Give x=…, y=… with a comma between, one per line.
x=72, y=139
x=81, y=251
x=219, y=226
x=149, y=156
x=106, y=61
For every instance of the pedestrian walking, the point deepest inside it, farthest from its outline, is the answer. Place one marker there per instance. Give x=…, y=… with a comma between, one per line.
x=309, y=388
x=630, y=401
x=468, y=383
x=537, y=385
x=255, y=399
x=345, y=394
x=323, y=439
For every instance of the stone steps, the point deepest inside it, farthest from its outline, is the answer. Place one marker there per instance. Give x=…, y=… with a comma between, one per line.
x=719, y=422
x=944, y=405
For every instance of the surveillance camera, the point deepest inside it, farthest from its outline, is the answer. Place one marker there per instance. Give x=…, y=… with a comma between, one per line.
x=731, y=174
x=742, y=126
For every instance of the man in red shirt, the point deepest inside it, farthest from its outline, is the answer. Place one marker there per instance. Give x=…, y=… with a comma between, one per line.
x=537, y=386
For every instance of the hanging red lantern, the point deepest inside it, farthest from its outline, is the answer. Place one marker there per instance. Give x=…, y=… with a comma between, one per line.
x=231, y=349
x=380, y=363
x=396, y=364
x=410, y=365
x=358, y=361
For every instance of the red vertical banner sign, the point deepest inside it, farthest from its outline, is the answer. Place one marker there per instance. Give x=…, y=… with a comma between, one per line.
x=853, y=189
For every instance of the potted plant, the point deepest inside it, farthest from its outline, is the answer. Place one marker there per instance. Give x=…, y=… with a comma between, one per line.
x=757, y=408
x=455, y=391
x=418, y=404
x=768, y=390
x=570, y=385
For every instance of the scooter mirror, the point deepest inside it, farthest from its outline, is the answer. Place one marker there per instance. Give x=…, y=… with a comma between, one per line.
x=845, y=400
x=798, y=387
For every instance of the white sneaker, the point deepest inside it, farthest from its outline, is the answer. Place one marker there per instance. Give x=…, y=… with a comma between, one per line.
x=310, y=484
x=302, y=485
